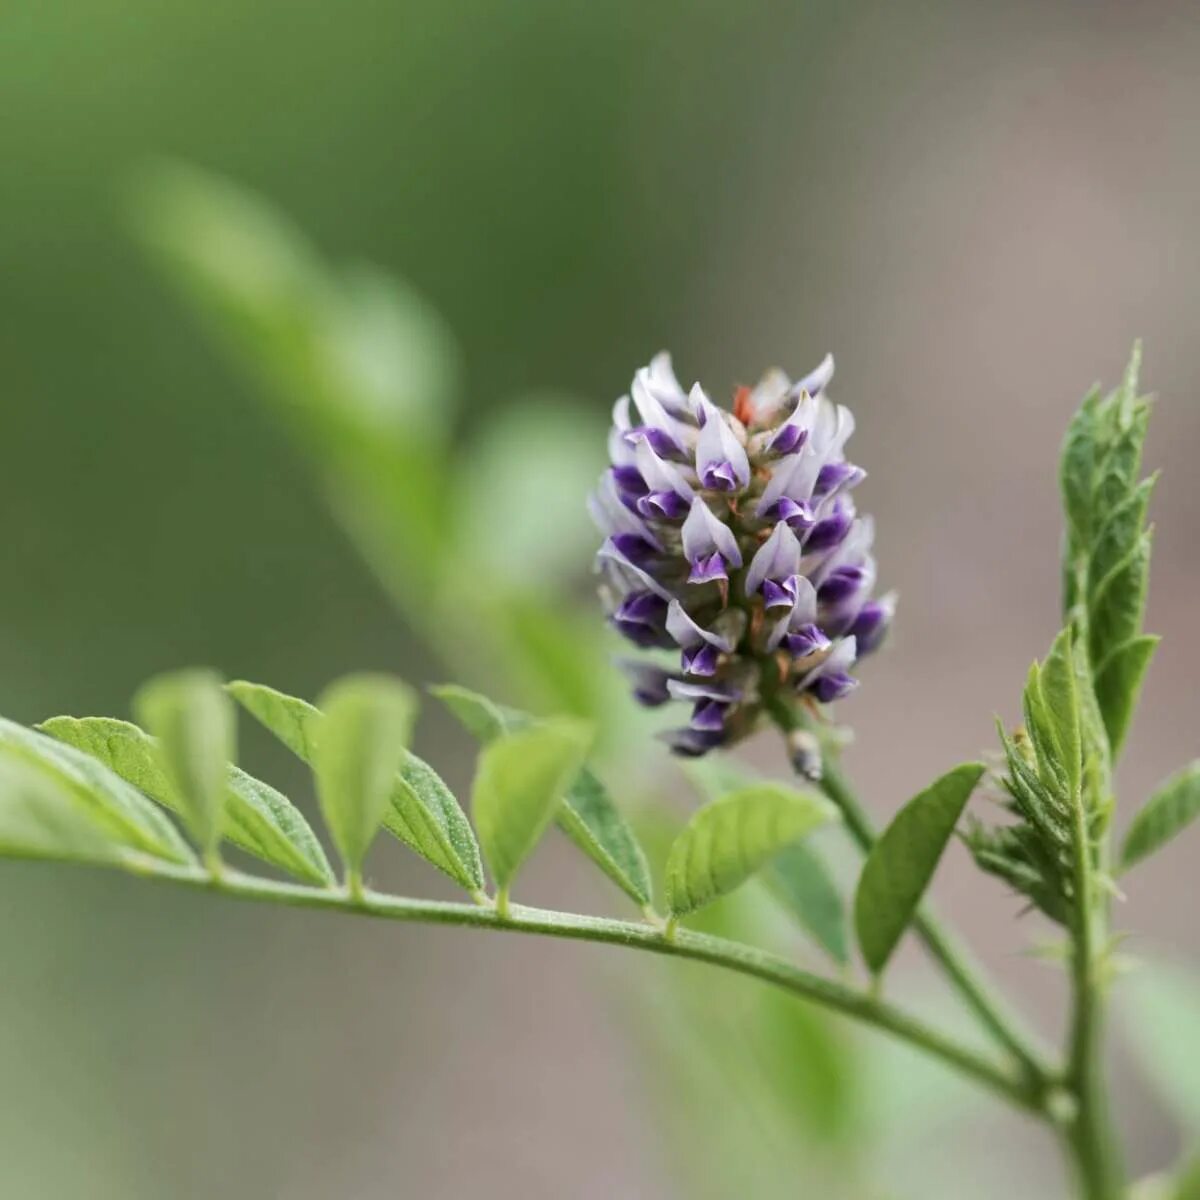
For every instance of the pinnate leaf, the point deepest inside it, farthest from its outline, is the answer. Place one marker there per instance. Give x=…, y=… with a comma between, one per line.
x=120, y=811
x=423, y=812
x=729, y=840
x=588, y=815
x=193, y=723
x=903, y=860
x=257, y=818
x=361, y=738
x=519, y=786
x=1168, y=812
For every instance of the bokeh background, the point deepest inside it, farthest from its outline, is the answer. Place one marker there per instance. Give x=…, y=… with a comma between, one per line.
x=976, y=207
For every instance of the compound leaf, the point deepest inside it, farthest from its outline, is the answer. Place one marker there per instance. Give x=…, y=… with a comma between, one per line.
x=903, y=860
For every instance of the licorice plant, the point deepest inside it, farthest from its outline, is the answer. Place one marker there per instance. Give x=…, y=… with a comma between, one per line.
x=735, y=561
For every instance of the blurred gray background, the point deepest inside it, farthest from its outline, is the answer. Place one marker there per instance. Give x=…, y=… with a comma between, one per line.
x=975, y=207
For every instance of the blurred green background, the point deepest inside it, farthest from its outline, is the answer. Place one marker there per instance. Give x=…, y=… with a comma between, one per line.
x=976, y=207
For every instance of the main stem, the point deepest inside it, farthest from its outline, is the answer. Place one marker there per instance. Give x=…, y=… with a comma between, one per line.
x=1090, y=1136
x=954, y=959
x=733, y=956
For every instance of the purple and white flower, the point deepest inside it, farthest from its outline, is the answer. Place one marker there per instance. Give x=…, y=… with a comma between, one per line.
x=732, y=538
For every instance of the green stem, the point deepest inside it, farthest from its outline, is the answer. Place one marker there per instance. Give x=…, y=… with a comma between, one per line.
x=955, y=960
x=733, y=956
x=1090, y=1135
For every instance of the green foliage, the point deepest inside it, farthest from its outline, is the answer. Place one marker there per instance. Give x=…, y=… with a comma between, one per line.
x=1168, y=812
x=1056, y=786
x=193, y=724
x=902, y=862
x=124, y=815
x=519, y=786
x=257, y=818
x=1107, y=555
x=364, y=376
x=361, y=737
x=588, y=815
x=41, y=817
x=730, y=839
x=422, y=813
x=797, y=877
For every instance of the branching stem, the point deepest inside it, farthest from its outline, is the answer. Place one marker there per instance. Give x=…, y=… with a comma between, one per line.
x=965, y=975
x=1016, y=1088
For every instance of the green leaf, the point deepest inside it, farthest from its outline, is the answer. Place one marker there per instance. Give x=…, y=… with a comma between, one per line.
x=589, y=816
x=801, y=880
x=257, y=818
x=903, y=860
x=1060, y=703
x=292, y=720
x=482, y=718
x=1119, y=535
x=729, y=840
x=41, y=817
x=1038, y=726
x=121, y=811
x=798, y=877
x=425, y=816
x=1119, y=600
x=1078, y=465
x=1168, y=812
x=361, y=737
x=423, y=812
x=519, y=785
x=191, y=718
x=1119, y=682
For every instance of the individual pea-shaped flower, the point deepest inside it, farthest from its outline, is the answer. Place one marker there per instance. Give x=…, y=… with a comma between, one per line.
x=733, y=539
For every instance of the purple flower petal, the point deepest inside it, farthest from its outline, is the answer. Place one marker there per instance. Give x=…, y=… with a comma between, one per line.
x=792, y=478
x=689, y=635
x=778, y=558
x=871, y=625
x=833, y=686
x=660, y=505
x=709, y=716
x=662, y=442
x=700, y=660
x=641, y=617
x=721, y=460
x=817, y=380
x=841, y=584
x=838, y=476
x=704, y=535
x=669, y=493
x=806, y=640
x=636, y=548
x=708, y=570
x=830, y=529
x=837, y=662
x=781, y=594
